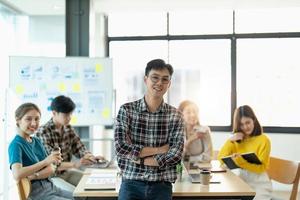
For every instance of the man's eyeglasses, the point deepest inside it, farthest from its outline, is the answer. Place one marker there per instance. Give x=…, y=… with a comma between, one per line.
x=156, y=79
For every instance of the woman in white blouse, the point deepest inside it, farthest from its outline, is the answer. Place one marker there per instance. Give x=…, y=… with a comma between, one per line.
x=198, y=144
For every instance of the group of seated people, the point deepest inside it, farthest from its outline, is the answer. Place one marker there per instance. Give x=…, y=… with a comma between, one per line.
x=46, y=160
x=38, y=159
x=247, y=137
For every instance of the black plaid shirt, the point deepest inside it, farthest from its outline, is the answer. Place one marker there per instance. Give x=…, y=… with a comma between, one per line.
x=136, y=128
x=68, y=141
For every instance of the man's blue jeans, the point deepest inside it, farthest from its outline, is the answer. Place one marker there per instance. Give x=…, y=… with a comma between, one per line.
x=145, y=190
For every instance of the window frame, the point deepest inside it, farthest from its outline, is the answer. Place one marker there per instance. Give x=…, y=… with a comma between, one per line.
x=233, y=37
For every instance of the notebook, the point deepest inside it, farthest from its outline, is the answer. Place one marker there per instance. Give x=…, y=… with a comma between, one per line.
x=250, y=157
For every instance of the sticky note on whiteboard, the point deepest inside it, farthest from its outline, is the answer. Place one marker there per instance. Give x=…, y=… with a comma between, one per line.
x=99, y=68
x=76, y=87
x=20, y=89
x=62, y=87
x=105, y=113
x=74, y=120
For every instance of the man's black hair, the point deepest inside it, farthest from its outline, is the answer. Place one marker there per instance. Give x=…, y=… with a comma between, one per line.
x=158, y=64
x=62, y=104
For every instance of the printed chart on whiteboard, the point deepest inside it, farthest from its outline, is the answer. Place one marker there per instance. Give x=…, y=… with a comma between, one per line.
x=87, y=81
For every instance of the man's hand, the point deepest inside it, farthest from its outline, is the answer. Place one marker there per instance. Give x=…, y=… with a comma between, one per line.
x=150, y=161
x=99, y=158
x=88, y=159
x=163, y=149
x=150, y=151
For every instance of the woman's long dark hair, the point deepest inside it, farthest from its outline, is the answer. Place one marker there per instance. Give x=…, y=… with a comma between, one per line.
x=246, y=111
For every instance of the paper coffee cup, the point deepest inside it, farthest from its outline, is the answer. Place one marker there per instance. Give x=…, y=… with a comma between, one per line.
x=205, y=176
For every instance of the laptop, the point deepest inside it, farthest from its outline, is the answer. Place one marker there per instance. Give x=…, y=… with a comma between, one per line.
x=103, y=164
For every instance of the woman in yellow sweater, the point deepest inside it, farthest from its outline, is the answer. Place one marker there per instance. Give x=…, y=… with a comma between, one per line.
x=249, y=137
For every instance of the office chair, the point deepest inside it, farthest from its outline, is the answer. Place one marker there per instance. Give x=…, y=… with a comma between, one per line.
x=286, y=172
x=24, y=188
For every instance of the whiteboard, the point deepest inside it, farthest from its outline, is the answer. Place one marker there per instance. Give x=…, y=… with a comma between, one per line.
x=87, y=81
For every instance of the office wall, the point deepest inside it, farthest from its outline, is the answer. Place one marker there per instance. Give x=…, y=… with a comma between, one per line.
x=51, y=26
x=46, y=36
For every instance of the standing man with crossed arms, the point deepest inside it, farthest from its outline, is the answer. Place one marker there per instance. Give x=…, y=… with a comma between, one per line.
x=149, y=139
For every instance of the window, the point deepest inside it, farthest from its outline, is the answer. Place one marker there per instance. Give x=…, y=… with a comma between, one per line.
x=267, y=20
x=201, y=22
x=217, y=68
x=129, y=60
x=200, y=78
x=268, y=79
x=137, y=24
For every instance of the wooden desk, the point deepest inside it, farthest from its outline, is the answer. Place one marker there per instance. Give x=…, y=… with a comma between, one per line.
x=231, y=187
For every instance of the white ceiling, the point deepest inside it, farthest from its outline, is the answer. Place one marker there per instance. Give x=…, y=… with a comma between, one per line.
x=57, y=7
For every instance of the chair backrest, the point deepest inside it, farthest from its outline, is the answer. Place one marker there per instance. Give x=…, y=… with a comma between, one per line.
x=286, y=172
x=24, y=188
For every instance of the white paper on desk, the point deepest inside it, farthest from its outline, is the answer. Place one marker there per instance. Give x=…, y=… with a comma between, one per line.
x=101, y=181
x=103, y=171
x=106, y=175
